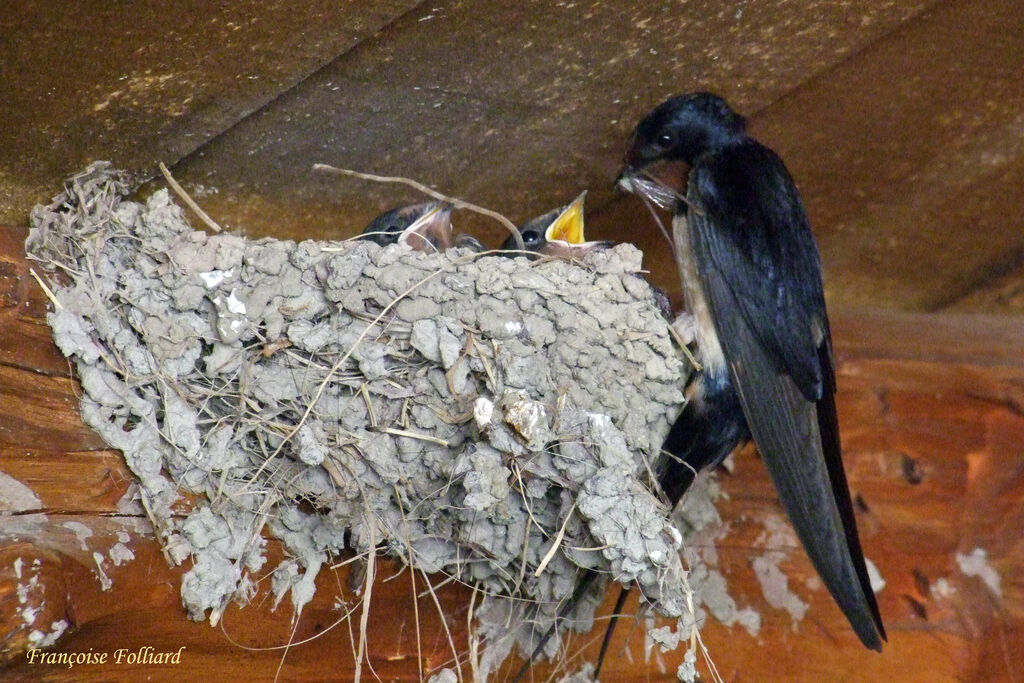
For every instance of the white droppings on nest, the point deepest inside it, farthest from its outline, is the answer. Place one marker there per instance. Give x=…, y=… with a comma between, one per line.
x=462, y=409
x=483, y=412
x=975, y=563
x=215, y=277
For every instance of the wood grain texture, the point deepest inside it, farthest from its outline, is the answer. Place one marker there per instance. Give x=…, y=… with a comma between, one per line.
x=932, y=410
x=25, y=340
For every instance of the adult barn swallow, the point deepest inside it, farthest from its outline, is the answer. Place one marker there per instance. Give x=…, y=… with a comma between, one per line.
x=557, y=233
x=426, y=226
x=752, y=280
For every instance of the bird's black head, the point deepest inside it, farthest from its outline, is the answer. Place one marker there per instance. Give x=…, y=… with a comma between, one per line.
x=682, y=128
x=533, y=233
x=387, y=227
x=557, y=233
x=425, y=227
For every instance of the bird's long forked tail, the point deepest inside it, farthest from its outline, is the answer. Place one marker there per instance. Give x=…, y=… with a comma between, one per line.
x=828, y=427
x=799, y=441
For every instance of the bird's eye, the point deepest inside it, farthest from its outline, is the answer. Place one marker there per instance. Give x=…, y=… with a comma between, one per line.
x=530, y=237
x=665, y=140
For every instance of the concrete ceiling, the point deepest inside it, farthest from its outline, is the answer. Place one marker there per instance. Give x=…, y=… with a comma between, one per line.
x=903, y=121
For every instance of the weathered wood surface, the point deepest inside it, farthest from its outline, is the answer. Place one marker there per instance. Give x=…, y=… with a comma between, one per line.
x=932, y=410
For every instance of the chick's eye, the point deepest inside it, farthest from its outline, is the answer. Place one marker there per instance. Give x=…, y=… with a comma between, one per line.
x=530, y=237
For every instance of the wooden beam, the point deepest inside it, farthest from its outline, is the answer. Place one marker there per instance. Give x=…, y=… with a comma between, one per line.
x=932, y=410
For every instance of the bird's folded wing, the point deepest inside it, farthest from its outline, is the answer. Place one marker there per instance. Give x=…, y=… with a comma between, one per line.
x=786, y=427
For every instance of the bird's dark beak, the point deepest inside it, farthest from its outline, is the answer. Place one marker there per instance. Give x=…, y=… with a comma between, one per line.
x=624, y=182
x=663, y=182
x=432, y=231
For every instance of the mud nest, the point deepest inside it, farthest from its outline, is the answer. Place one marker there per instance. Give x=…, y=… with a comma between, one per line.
x=495, y=419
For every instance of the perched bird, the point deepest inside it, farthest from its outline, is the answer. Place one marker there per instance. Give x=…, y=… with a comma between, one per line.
x=426, y=226
x=752, y=280
x=557, y=233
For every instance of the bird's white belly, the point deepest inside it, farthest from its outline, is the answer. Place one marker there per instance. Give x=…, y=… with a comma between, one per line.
x=708, y=347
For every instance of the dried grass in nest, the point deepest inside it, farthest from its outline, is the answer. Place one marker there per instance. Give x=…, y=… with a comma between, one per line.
x=492, y=419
